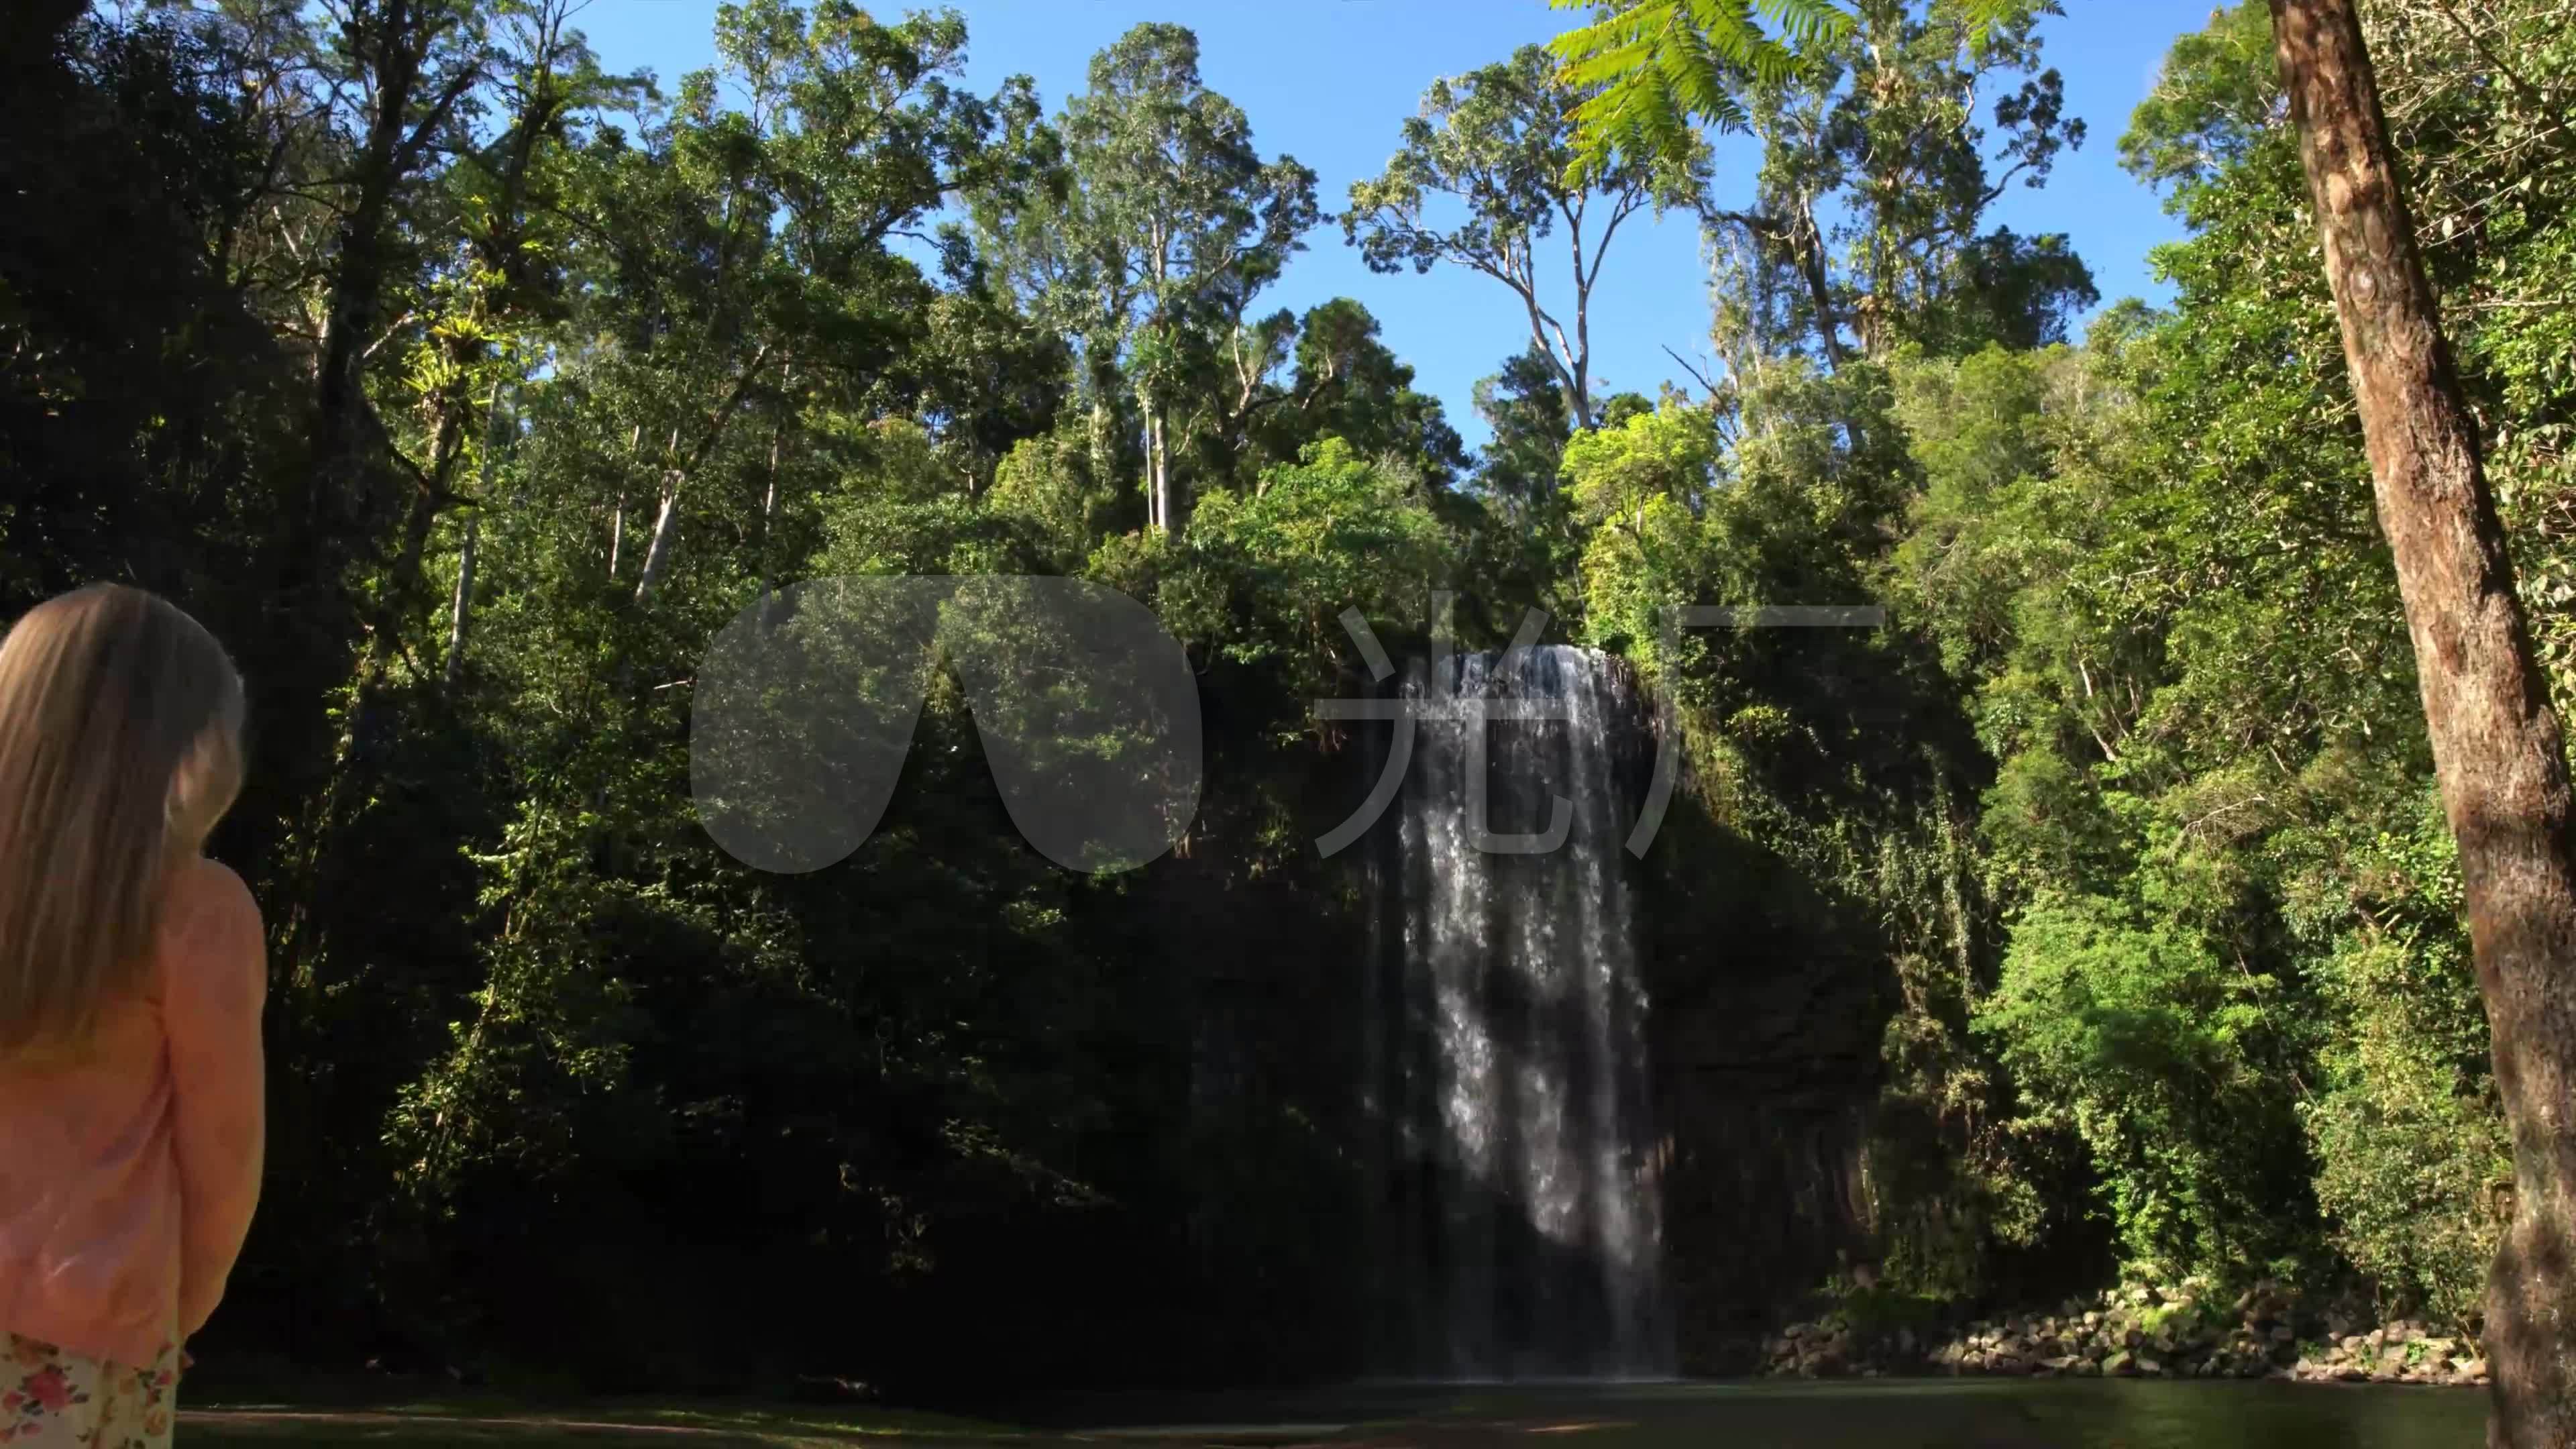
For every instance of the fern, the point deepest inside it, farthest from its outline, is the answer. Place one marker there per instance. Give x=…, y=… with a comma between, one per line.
x=1654, y=69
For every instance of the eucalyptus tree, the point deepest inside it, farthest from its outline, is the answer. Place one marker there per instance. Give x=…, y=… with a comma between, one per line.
x=1879, y=126
x=1499, y=144
x=750, y=246
x=2498, y=749
x=1151, y=235
x=486, y=319
x=1348, y=384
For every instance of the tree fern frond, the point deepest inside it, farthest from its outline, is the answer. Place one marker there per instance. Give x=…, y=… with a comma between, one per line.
x=1985, y=17
x=1607, y=65
x=1658, y=67
x=1813, y=22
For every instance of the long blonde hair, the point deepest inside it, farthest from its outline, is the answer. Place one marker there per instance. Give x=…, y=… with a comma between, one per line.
x=120, y=747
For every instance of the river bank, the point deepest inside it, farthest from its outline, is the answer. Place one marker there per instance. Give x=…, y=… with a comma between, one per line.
x=2138, y=1331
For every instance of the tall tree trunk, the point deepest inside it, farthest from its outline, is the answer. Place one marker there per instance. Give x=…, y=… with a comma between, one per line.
x=657, y=553
x=1163, y=468
x=769, y=507
x=461, y=611
x=1104, y=448
x=676, y=476
x=1153, y=495
x=617, y=519
x=430, y=496
x=2497, y=749
x=1573, y=387
x=1157, y=502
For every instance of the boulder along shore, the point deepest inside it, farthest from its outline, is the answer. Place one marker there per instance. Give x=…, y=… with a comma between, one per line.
x=2141, y=1331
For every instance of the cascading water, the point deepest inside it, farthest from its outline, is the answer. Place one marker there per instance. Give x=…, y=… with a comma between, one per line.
x=1518, y=1221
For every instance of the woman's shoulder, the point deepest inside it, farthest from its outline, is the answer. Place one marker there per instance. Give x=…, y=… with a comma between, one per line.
x=211, y=932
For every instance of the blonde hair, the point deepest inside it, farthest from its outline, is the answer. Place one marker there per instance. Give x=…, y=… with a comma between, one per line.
x=120, y=747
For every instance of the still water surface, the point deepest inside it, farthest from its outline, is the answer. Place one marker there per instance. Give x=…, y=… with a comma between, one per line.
x=1902, y=1414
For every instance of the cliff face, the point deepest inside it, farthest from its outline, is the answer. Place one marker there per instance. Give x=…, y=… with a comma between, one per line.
x=1769, y=1006
x=1768, y=994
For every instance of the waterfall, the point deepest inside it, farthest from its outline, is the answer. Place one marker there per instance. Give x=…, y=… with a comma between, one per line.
x=1518, y=1222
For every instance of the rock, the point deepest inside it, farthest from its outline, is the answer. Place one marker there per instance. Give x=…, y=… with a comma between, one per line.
x=2121, y=1364
x=2281, y=1333
x=2351, y=1375
x=2473, y=1369
x=2086, y=1368
x=2149, y=1368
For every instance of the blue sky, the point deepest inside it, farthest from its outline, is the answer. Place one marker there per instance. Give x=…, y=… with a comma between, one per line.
x=1329, y=81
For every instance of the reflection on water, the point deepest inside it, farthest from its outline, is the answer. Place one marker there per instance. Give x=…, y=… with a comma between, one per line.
x=1912, y=1414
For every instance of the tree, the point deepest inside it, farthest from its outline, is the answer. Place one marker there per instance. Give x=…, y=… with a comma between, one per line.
x=508, y=274
x=1345, y=383
x=2498, y=751
x=2497, y=747
x=749, y=251
x=1875, y=178
x=1500, y=142
x=1658, y=68
x=1161, y=226
x=1879, y=124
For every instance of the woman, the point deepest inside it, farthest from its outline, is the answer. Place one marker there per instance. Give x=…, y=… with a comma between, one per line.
x=132, y=970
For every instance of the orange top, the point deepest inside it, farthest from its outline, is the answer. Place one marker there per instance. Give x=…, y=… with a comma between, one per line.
x=127, y=1181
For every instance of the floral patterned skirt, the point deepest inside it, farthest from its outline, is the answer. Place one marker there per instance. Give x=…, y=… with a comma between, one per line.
x=49, y=1397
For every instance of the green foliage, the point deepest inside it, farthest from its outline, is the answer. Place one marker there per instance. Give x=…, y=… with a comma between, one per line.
x=2152, y=1050
x=1143, y=224
x=2212, y=102
x=1657, y=68
x=1271, y=572
x=2408, y=1139
x=1047, y=483
x=1498, y=143
x=2093, y=905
